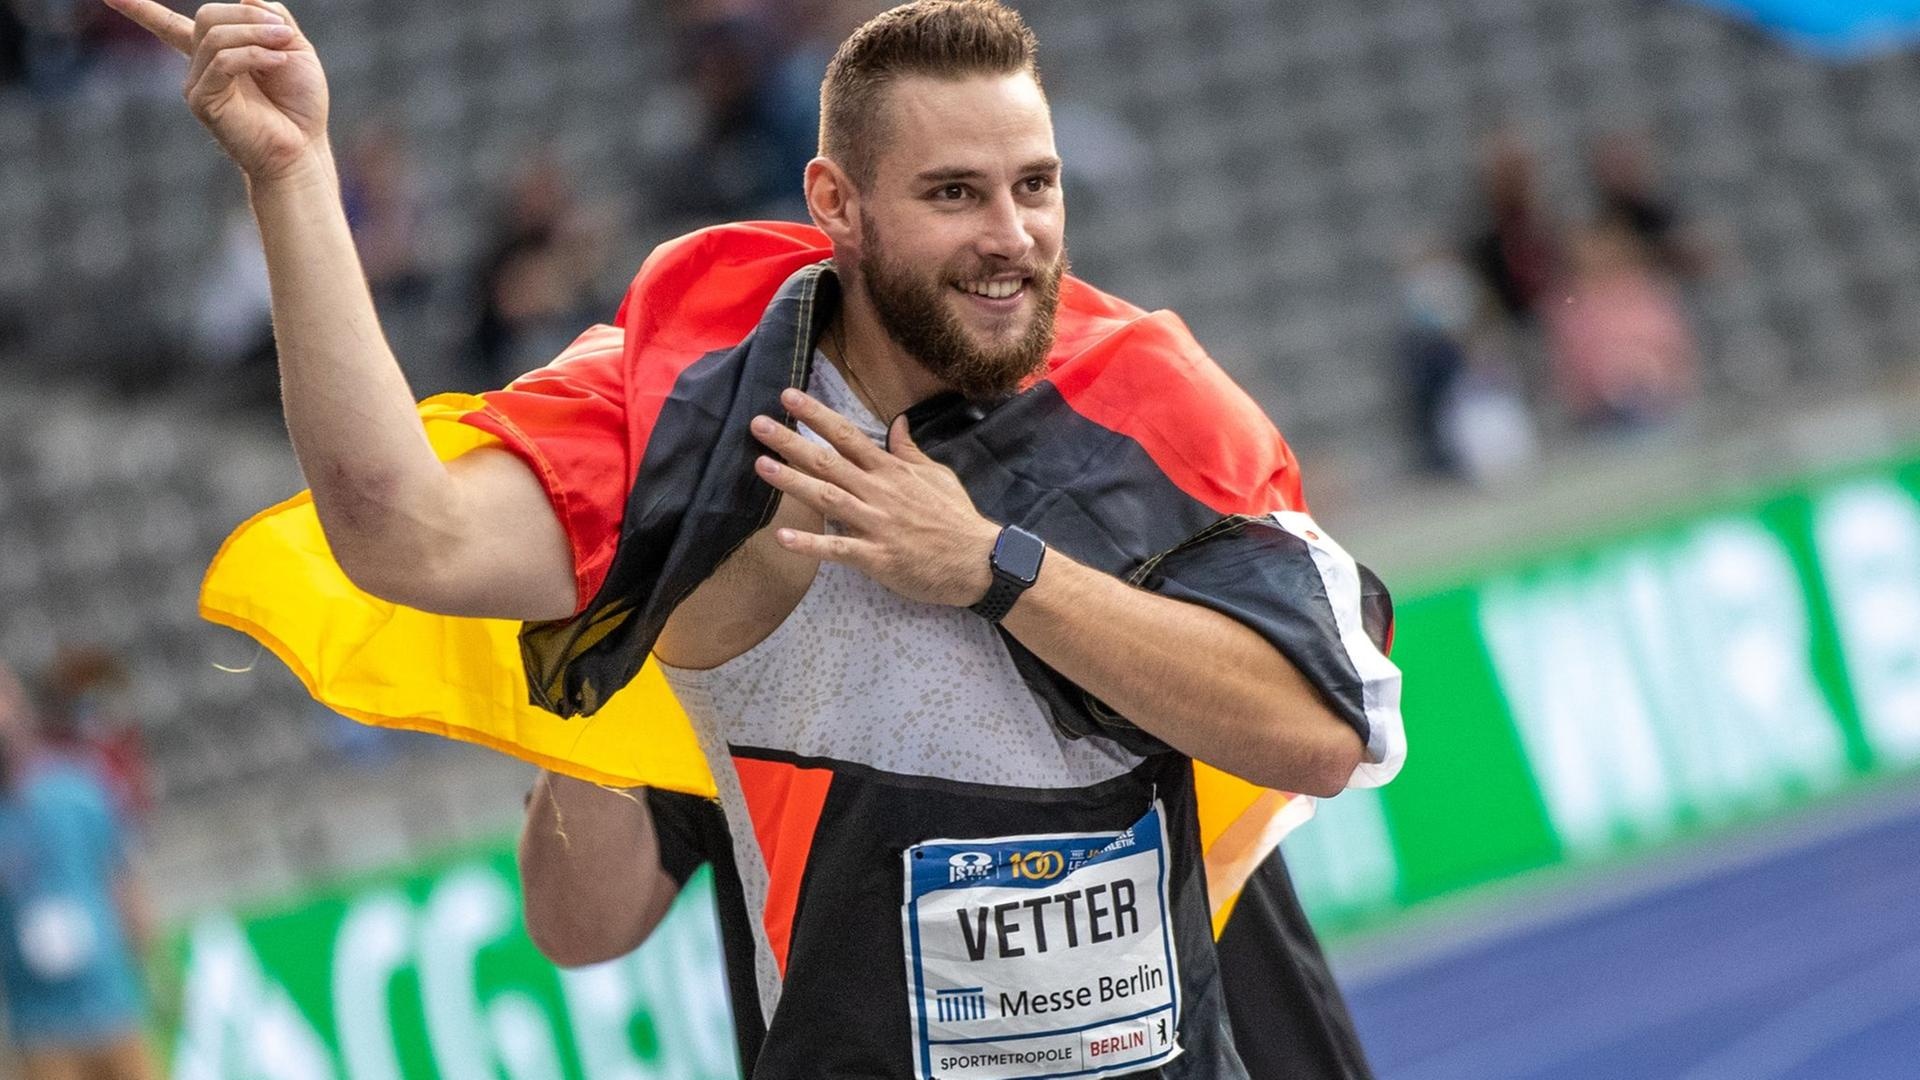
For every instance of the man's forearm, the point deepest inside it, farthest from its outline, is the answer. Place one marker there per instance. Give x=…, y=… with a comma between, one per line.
x=590, y=872
x=377, y=485
x=1200, y=681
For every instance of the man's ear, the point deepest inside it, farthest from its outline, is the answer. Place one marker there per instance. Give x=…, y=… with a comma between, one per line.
x=833, y=202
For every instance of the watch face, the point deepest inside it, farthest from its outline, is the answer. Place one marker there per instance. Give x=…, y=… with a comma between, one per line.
x=1017, y=554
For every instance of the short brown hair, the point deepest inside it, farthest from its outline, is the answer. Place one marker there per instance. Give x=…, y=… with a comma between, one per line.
x=945, y=39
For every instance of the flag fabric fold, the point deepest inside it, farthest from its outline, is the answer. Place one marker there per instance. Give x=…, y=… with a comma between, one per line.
x=390, y=666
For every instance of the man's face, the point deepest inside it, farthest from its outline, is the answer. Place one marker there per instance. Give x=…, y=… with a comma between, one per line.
x=963, y=229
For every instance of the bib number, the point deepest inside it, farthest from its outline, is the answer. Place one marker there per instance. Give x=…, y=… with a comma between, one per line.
x=1042, y=956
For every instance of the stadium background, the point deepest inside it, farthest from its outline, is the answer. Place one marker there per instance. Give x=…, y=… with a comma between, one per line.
x=1664, y=674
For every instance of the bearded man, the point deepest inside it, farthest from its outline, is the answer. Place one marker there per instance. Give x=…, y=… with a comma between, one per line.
x=956, y=566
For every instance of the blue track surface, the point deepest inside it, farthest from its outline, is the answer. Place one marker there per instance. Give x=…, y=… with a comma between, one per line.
x=1800, y=964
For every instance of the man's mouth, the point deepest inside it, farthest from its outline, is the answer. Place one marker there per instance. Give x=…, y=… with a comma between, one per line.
x=1001, y=288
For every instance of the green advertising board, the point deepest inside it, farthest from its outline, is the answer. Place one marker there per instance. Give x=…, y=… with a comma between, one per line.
x=432, y=975
x=1605, y=699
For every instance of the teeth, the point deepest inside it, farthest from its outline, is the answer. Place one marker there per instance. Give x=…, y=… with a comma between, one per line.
x=993, y=290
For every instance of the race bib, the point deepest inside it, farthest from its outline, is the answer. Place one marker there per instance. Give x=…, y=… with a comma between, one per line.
x=1042, y=956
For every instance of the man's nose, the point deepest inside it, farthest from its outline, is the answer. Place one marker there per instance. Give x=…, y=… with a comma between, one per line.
x=1005, y=234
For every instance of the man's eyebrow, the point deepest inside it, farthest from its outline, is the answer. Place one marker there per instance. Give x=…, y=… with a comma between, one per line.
x=955, y=173
x=949, y=174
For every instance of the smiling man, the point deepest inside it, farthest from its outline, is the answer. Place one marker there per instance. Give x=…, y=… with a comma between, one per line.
x=960, y=570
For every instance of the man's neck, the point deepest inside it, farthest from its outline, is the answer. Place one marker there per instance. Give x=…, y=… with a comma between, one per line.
x=886, y=379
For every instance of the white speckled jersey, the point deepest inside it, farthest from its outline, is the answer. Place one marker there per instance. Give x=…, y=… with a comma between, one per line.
x=860, y=691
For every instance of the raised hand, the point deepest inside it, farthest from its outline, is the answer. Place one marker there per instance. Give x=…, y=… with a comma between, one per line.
x=909, y=523
x=253, y=79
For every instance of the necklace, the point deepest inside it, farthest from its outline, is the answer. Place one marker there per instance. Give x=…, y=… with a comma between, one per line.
x=846, y=365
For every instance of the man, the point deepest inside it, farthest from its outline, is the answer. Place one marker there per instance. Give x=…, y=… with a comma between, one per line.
x=70, y=916
x=955, y=565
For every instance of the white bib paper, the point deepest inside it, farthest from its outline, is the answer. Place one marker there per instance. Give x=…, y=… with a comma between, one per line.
x=1042, y=956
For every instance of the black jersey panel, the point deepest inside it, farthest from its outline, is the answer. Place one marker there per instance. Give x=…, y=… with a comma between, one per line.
x=844, y=1009
x=692, y=831
x=1289, y=1018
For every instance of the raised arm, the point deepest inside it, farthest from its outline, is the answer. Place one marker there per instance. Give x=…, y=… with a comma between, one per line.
x=477, y=537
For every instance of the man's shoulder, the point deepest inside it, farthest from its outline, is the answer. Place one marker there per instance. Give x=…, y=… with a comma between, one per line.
x=710, y=287
x=1095, y=327
x=750, y=248
x=1142, y=374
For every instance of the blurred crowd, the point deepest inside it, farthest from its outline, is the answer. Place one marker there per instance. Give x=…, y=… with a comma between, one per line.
x=74, y=922
x=1538, y=316
x=1535, y=318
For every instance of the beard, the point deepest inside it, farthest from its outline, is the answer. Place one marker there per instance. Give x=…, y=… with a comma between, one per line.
x=914, y=310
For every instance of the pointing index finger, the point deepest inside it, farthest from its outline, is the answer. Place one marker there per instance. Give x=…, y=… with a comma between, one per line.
x=169, y=26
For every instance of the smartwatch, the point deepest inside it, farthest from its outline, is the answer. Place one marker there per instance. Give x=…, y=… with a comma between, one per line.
x=1016, y=566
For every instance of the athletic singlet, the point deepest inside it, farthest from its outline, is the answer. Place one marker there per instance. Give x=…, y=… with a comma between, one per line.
x=905, y=815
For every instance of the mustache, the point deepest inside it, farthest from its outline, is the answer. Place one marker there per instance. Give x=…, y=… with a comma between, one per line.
x=1037, y=271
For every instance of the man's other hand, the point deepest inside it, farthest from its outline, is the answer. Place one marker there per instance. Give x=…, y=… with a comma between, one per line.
x=253, y=79
x=909, y=524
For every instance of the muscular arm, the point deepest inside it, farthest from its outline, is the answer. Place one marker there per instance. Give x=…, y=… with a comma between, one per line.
x=1205, y=684
x=478, y=538
x=590, y=874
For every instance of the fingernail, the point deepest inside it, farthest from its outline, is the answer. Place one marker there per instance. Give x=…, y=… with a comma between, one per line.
x=785, y=535
x=767, y=465
x=762, y=425
x=792, y=398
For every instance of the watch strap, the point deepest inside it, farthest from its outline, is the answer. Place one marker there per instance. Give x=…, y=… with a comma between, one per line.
x=1000, y=598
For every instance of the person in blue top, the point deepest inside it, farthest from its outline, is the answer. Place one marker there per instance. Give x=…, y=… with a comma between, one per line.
x=69, y=924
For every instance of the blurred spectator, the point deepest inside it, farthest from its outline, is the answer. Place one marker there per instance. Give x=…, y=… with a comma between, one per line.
x=1516, y=250
x=52, y=41
x=88, y=716
x=1469, y=417
x=118, y=48
x=535, y=282
x=741, y=160
x=71, y=918
x=1631, y=198
x=232, y=332
x=385, y=212
x=1621, y=352
x=808, y=34
x=755, y=68
x=13, y=45
x=51, y=45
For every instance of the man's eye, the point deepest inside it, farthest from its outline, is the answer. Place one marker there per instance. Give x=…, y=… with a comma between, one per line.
x=952, y=192
x=1037, y=184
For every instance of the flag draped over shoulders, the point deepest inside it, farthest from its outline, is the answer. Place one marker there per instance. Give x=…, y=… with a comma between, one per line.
x=1132, y=452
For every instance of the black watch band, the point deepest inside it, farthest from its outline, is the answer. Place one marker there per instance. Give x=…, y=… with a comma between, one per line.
x=1015, y=562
